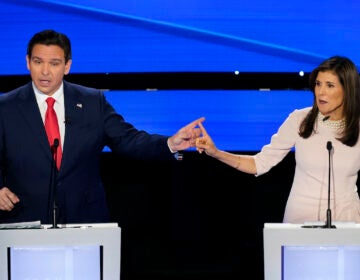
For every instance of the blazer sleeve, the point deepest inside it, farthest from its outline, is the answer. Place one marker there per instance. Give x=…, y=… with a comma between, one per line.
x=125, y=139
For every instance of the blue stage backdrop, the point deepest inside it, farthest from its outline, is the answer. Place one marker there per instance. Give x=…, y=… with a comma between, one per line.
x=238, y=120
x=185, y=36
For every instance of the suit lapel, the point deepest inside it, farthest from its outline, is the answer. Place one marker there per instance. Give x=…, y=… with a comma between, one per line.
x=29, y=109
x=73, y=116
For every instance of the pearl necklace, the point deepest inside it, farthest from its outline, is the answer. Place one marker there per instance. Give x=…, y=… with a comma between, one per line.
x=340, y=124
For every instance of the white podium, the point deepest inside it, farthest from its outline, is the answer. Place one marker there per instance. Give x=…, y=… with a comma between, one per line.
x=66, y=253
x=293, y=252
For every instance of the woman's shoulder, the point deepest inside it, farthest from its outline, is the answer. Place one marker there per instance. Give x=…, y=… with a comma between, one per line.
x=297, y=115
x=300, y=113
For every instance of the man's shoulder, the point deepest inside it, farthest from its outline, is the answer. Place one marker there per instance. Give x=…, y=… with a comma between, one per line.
x=81, y=89
x=17, y=92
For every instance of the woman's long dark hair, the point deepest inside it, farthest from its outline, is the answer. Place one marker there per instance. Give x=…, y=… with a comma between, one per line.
x=349, y=78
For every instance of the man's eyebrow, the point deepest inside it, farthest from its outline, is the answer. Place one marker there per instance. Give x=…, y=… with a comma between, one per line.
x=52, y=59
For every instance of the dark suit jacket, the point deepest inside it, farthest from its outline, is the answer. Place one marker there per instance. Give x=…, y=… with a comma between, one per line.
x=26, y=160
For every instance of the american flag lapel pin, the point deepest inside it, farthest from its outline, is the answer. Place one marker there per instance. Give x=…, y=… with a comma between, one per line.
x=79, y=105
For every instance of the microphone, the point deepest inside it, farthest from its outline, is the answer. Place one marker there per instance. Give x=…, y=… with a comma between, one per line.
x=67, y=121
x=53, y=175
x=328, y=211
x=54, y=148
x=325, y=119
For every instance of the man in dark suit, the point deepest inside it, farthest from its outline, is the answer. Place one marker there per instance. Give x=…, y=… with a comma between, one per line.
x=87, y=123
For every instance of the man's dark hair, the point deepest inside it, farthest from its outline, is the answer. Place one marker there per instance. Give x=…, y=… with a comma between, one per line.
x=48, y=38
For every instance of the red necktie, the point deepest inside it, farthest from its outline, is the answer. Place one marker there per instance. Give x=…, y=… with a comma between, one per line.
x=52, y=130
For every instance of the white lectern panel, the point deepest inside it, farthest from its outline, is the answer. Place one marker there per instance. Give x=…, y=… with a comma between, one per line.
x=291, y=251
x=321, y=262
x=67, y=245
x=69, y=262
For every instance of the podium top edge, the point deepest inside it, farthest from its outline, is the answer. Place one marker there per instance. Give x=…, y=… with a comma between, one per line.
x=295, y=226
x=37, y=225
x=90, y=225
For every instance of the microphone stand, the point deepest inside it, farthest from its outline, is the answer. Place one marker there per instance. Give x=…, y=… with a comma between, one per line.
x=53, y=176
x=328, y=211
